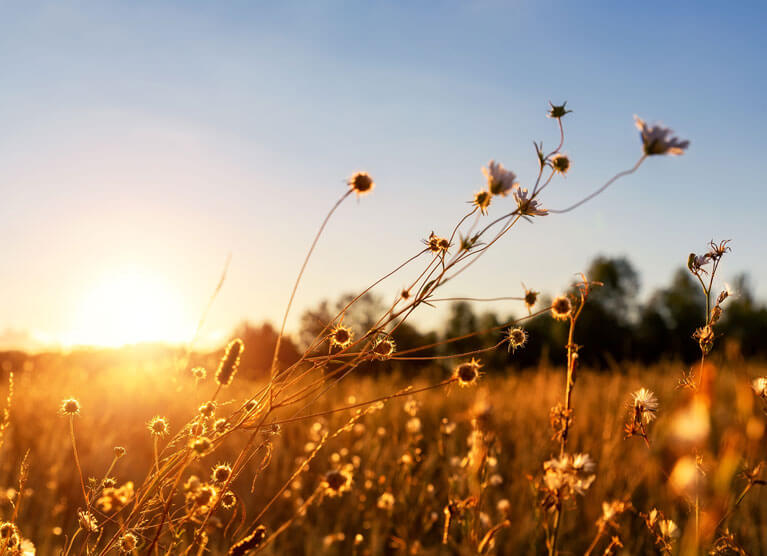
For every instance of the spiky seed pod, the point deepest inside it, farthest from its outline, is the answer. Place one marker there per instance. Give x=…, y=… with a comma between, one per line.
x=228, y=500
x=341, y=336
x=254, y=540
x=530, y=298
x=201, y=445
x=384, y=348
x=207, y=409
x=127, y=543
x=560, y=163
x=220, y=426
x=361, y=183
x=230, y=362
x=517, y=337
x=221, y=473
x=70, y=407
x=482, y=200
x=561, y=307
x=87, y=522
x=158, y=426
x=467, y=374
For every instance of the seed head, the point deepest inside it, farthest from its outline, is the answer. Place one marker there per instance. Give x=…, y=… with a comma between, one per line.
x=361, y=183
x=220, y=426
x=70, y=407
x=482, y=200
x=341, y=336
x=228, y=499
x=561, y=307
x=530, y=299
x=645, y=405
x=437, y=244
x=158, y=426
x=558, y=111
x=127, y=543
x=467, y=374
x=384, y=348
x=760, y=386
x=87, y=522
x=517, y=337
x=500, y=181
x=199, y=373
x=560, y=163
x=119, y=451
x=254, y=540
x=221, y=473
x=207, y=409
x=657, y=139
x=230, y=362
x=201, y=445
x=337, y=481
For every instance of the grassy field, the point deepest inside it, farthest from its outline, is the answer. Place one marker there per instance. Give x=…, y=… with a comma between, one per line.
x=477, y=450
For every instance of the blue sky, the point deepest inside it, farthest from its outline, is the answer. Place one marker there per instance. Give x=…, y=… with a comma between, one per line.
x=151, y=139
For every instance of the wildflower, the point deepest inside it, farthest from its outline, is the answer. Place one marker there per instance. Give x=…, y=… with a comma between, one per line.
x=199, y=373
x=230, y=362
x=127, y=543
x=158, y=426
x=499, y=180
x=114, y=498
x=254, y=540
x=561, y=307
x=119, y=451
x=87, y=522
x=705, y=337
x=361, y=183
x=221, y=473
x=70, y=407
x=228, y=499
x=530, y=299
x=526, y=205
x=760, y=386
x=384, y=348
x=657, y=139
x=207, y=409
x=467, y=373
x=558, y=111
x=517, y=337
x=482, y=200
x=645, y=404
x=695, y=263
x=220, y=426
x=337, y=481
x=718, y=249
x=668, y=529
x=201, y=445
x=565, y=477
x=437, y=244
x=560, y=163
x=341, y=336
x=610, y=511
x=386, y=501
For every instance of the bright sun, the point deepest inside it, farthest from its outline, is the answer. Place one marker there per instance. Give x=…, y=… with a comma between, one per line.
x=127, y=307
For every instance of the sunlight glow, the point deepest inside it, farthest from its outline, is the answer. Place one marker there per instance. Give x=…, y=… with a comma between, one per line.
x=128, y=307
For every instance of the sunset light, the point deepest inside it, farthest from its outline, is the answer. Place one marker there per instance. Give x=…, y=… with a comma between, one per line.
x=128, y=307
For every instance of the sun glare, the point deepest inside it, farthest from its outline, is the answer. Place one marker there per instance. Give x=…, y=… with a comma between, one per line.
x=129, y=307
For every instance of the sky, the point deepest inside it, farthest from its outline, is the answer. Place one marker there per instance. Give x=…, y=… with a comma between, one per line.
x=141, y=143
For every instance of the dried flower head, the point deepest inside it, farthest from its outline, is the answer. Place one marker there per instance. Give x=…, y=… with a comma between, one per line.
x=658, y=140
x=705, y=337
x=561, y=307
x=526, y=205
x=199, y=373
x=531, y=297
x=361, y=183
x=386, y=501
x=760, y=386
x=384, y=347
x=340, y=336
x=207, y=409
x=220, y=426
x=668, y=529
x=517, y=337
x=557, y=111
x=437, y=244
x=560, y=163
x=644, y=404
x=87, y=521
x=228, y=499
x=115, y=498
x=205, y=495
x=230, y=362
x=70, y=407
x=221, y=473
x=158, y=426
x=610, y=511
x=565, y=477
x=338, y=481
x=119, y=451
x=201, y=445
x=500, y=181
x=482, y=200
x=127, y=543
x=467, y=373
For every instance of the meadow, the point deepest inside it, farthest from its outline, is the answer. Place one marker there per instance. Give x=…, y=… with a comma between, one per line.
x=142, y=451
